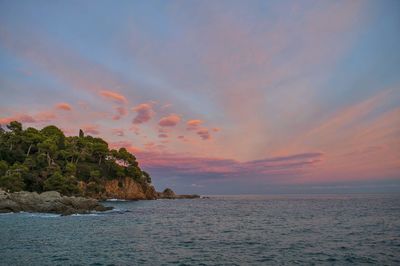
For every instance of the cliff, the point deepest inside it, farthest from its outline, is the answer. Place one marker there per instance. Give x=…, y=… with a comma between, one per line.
x=125, y=188
x=47, y=160
x=129, y=189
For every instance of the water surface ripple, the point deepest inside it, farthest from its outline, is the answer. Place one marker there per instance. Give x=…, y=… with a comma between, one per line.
x=222, y=230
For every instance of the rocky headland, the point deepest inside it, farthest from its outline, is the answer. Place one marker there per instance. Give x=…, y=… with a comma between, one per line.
x=67, y=174
x=129, y=189
x=54, y=202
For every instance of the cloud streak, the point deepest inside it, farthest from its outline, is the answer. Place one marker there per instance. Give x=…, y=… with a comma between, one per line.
x=179, y=165
x=64, y=106
x=114, y=96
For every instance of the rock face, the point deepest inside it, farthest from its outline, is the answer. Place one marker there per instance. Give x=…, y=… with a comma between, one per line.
x=47, y=202
x=170, y=194
x=129, y=189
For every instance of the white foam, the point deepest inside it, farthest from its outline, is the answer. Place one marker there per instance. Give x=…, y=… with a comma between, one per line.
x=86, y=214
x=42, y=215
x=116, y=200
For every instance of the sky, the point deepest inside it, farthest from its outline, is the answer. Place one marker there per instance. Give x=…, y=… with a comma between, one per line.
x=216, y=97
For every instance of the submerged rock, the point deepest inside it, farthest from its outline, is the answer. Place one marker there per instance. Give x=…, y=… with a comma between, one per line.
x=47, y=202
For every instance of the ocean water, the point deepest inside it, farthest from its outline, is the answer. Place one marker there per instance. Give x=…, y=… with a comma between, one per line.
x=221, y=230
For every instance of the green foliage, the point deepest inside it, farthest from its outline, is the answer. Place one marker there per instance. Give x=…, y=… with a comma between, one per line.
x=66, y=185
x=70, y=169
x=3, y=167
x=15, y=127
x=146, y=177
x=40, y=160
x=12, y=181
x=95, y=174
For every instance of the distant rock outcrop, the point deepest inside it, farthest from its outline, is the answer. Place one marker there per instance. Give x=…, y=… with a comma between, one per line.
x=47, y=202
x=170, y=194
x=129, y=189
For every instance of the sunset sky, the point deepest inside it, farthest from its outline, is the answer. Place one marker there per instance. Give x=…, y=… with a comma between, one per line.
x=216, y=97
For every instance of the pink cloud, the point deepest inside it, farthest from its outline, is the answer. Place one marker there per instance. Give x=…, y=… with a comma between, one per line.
x=149, y=145
x=193, y=124
x=162, y=130
x=121, y=111
x=124, y=144
x=169, y=121
x=91, y=129
x=163, y=135
x=282, y=169
x=144, y=113
x=182, y=138
x=64, y=106
x=204, y=134
x=45, y=116
x=114, y=96
x=23, y=118
x=69, y=131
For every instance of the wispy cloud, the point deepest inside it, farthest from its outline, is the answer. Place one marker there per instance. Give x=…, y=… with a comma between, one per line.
x=114, y=96
x=64, y=106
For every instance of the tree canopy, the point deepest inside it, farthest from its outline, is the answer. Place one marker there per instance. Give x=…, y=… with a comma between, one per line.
x=41, y=160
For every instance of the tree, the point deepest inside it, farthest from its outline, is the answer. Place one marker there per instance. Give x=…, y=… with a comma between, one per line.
x=15, y=127
x=64, y=185
x=95, y=174
x=56, y=134
x=46, y=159
x=32, y=137
x=3, y=167
x=49, y=147
x=12, y=181
x=147, y=177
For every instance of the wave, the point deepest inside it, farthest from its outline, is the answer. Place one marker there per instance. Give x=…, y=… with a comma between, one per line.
x=40, y=214
x=115, y=200
x=85, y=214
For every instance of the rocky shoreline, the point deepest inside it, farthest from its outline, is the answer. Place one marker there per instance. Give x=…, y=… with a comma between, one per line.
x=54, y=202
x=47, y=202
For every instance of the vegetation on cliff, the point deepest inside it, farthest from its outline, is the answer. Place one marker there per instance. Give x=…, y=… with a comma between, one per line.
x=44, y=160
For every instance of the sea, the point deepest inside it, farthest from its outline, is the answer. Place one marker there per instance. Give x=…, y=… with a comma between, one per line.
x=217, y=230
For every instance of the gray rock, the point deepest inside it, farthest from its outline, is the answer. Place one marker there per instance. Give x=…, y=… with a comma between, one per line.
x=170, y=194
x=49, y=202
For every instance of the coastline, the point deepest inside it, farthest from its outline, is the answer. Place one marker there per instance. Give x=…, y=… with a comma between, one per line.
x=54, y=202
